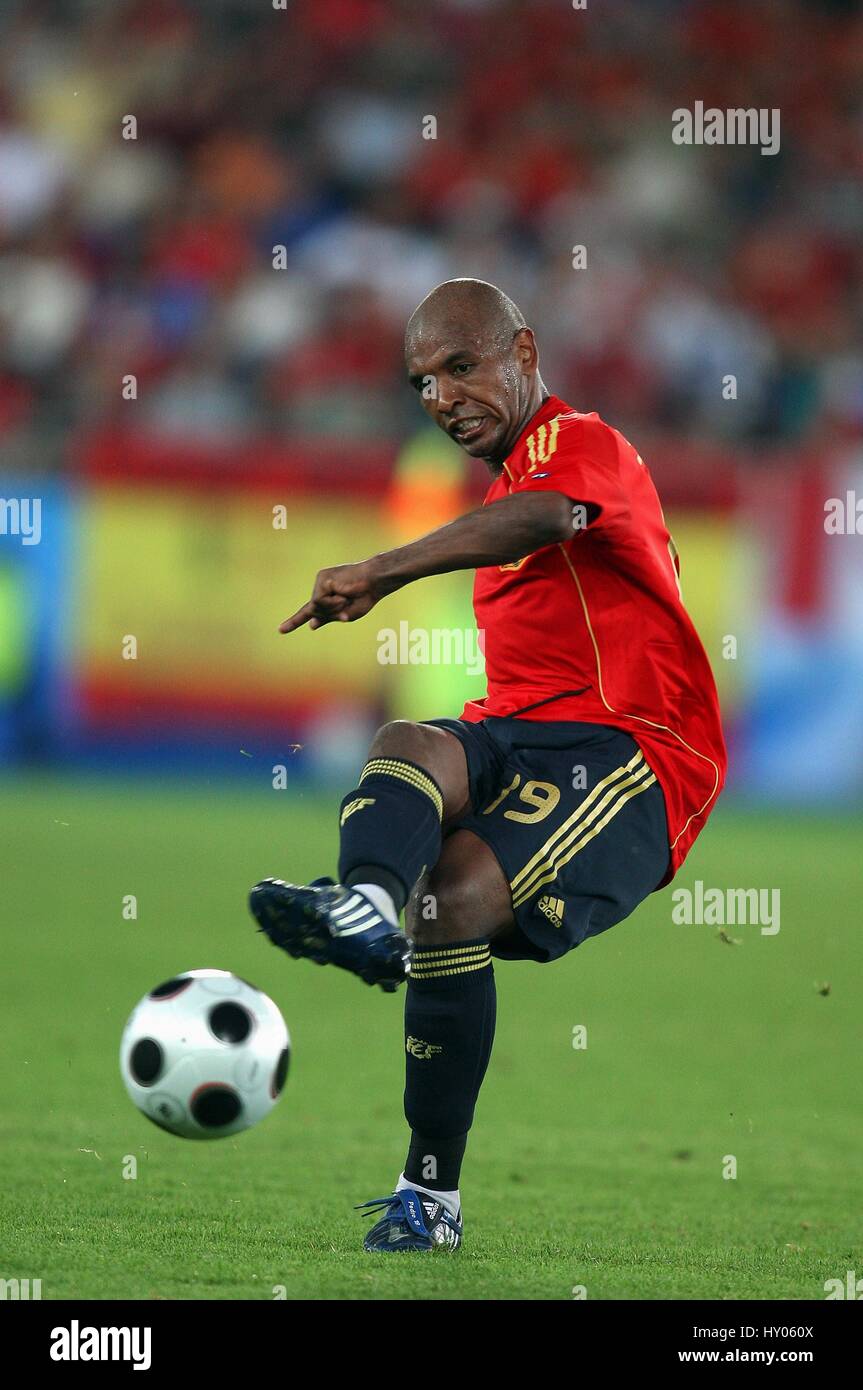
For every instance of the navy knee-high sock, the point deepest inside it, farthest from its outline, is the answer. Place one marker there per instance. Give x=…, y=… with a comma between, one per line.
x=390, y=827
x=449, y=1029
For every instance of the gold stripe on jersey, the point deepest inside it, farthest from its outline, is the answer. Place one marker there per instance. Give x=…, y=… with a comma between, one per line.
x=651, y=724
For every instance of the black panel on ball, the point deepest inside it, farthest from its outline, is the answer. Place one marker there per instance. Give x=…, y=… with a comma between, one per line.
x=170, y=988
x=281, y=1073
x=214, y=1106
x=230, y=1023
x=145, y=1061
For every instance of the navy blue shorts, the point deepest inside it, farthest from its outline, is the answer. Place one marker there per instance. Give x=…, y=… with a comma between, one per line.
x=576, y=819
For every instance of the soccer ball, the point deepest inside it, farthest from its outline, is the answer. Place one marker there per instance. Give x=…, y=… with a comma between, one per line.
x=205, y=1055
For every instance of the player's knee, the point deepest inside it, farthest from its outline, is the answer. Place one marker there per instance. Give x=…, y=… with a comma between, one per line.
x=400, y=738
x=417, y=742
x=445, y=909
x=436, y=750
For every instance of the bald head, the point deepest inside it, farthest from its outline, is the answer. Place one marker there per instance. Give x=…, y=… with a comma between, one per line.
x=472, y=357
x=474, y=304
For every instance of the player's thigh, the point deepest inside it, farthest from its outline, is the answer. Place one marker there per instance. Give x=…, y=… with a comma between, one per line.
x=436, y=750
x=465, y=896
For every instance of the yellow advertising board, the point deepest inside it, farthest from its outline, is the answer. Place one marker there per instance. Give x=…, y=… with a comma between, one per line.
x=201, y=579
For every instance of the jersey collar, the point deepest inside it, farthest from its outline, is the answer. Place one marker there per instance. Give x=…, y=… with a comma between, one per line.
x=550, y=407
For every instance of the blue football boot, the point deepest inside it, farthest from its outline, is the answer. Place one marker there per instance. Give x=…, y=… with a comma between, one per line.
x=332, y=925
x=410, y=1220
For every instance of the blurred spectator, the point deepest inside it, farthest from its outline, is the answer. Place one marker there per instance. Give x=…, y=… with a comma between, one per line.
x=304, y=129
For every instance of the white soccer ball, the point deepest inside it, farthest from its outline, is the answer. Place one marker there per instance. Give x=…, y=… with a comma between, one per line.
x=205, y=1055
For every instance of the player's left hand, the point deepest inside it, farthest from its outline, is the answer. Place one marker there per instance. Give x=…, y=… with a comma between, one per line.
x=342, y=594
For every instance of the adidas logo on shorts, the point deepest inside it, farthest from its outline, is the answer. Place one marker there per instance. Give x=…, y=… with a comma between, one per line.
x=553, y=909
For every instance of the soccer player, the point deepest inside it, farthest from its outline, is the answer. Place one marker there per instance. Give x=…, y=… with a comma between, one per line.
x=552, y=807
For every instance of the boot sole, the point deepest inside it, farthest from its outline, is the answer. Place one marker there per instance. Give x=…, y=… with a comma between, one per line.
x=306, y=934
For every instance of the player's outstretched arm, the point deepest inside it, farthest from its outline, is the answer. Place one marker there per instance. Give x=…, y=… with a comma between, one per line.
x=494, y=535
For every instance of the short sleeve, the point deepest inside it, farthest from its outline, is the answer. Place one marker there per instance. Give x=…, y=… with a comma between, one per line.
x=580, y=457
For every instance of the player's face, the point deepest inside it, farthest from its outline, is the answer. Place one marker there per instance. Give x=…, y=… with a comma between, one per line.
x=476, y=395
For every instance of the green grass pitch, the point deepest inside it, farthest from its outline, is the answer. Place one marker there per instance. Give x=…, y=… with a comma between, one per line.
x=598, y=1167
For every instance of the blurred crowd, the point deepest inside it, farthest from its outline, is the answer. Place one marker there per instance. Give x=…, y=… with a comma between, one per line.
x=302, y=125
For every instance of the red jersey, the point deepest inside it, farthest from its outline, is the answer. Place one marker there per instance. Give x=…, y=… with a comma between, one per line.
x=595, y=625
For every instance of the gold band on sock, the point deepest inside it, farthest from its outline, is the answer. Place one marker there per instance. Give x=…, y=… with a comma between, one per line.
x=408, y=772
x=450, y=960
